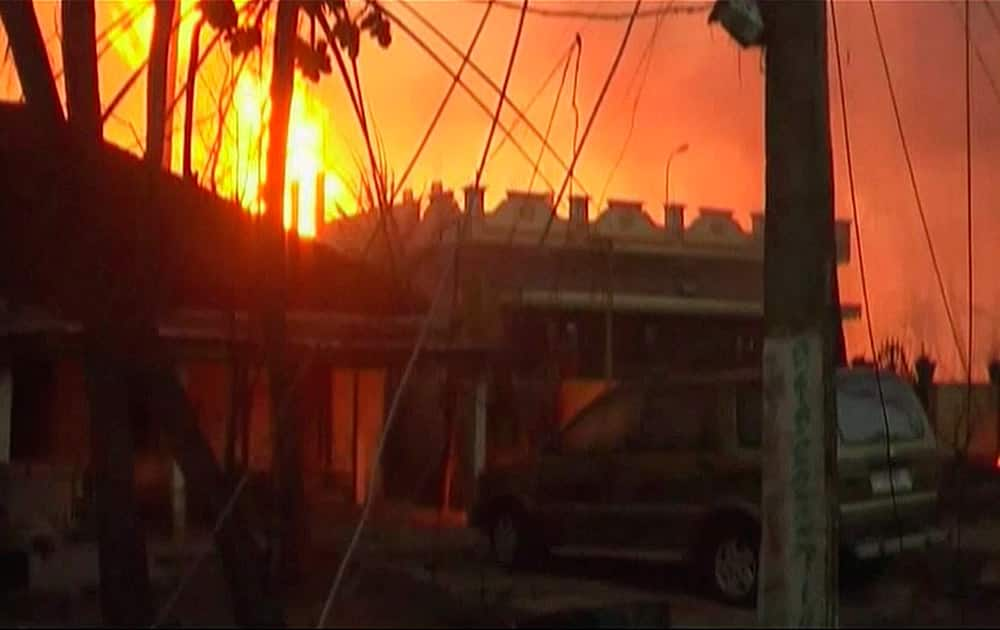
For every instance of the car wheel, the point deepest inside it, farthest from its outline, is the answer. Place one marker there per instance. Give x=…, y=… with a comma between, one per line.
x=732, y=566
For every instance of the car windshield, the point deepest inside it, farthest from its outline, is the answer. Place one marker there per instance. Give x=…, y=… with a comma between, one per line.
x=859, y=409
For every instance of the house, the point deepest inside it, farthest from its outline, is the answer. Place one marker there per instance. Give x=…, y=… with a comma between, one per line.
x=73, y=222
x=602, y=298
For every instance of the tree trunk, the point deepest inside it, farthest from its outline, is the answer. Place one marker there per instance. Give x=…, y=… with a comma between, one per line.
x=241, y=554
x=126, y=598
x=30, y=58
x=192, y=75
x=289, y=531
x=156, y=86
x=79, y=46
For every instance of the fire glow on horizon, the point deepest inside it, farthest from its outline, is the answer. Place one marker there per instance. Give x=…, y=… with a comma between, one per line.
x=239, y=169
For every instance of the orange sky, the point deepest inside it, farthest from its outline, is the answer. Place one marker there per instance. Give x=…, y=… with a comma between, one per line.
x=701, y=90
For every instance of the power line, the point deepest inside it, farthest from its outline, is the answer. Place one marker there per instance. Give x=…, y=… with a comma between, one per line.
x=593, y=116
x=979, y=53
x=861, y=269
x=968, y=370
x=578, y=45
x=373, y=474
x=993, y=15
x=538, y=93
x=461, y=82
x=483, y=75
x=444, y=102
x=914, y=186
x=645, y=64
x=968, y=183
x=232, y=502
x=580, y=14
x=503, y=91
x=486, y=149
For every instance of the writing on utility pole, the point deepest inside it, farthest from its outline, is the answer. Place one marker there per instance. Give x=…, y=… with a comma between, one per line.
x=795, y=532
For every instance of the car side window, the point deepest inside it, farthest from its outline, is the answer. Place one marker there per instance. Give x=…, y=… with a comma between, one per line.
x=606, y=427
x=677, y=418
x=748, y=405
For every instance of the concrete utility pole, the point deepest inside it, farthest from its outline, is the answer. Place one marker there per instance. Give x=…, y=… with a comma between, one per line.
x=798, y=578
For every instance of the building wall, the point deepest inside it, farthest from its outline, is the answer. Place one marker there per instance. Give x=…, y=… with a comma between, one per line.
x=952, y=425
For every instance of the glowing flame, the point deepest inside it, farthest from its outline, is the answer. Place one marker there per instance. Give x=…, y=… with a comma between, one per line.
x=241, y=162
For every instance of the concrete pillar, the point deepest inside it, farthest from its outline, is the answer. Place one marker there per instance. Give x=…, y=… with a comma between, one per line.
x=479, y=430
x=178, y=490
x=474, y=202
x=673, y=219
x=925, y=384
x=6, y=409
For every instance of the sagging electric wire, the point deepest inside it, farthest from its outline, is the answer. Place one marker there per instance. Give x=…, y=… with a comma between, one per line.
x=475, y=98
x=979, y=53
x=230, y=504
x=375, y=466
x=503, y=92
x=462, y=219
x=916, y=190
x=590, y=122
x=642, y=70
x=563, y=59
x=557, y=277
x=444, y=103
x=578, y=47
x=971, y=284
x=993, y=16
x=485, y=77
x=865, y=295
x=691, y=8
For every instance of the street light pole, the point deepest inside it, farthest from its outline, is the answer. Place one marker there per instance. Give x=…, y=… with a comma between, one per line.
x=682, y=148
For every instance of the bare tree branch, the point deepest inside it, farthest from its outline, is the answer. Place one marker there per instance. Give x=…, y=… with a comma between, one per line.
x=79, y=46
x=30, y=58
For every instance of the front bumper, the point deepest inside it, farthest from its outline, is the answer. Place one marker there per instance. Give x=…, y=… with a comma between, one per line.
x=870, y=548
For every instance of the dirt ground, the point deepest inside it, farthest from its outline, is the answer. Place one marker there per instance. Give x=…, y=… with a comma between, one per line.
x=420, y=575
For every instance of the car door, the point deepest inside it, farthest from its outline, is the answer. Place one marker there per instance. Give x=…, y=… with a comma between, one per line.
x=574, y=473
x=663, y=482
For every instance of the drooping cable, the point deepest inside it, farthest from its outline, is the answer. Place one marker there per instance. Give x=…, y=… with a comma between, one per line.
x=590, y=122
x=971, y=285
x=916, y=189
x=691, y=8
x=562, y=61
x=409, y=32
x=960, y=16
x=444, y=103
x=865, y=295
x=642, y=74
x=503, y=92
x=482, y=75
x=375, y=466
x=578, y=45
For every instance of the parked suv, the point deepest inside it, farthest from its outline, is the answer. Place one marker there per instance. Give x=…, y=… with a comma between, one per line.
x=671, y=469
